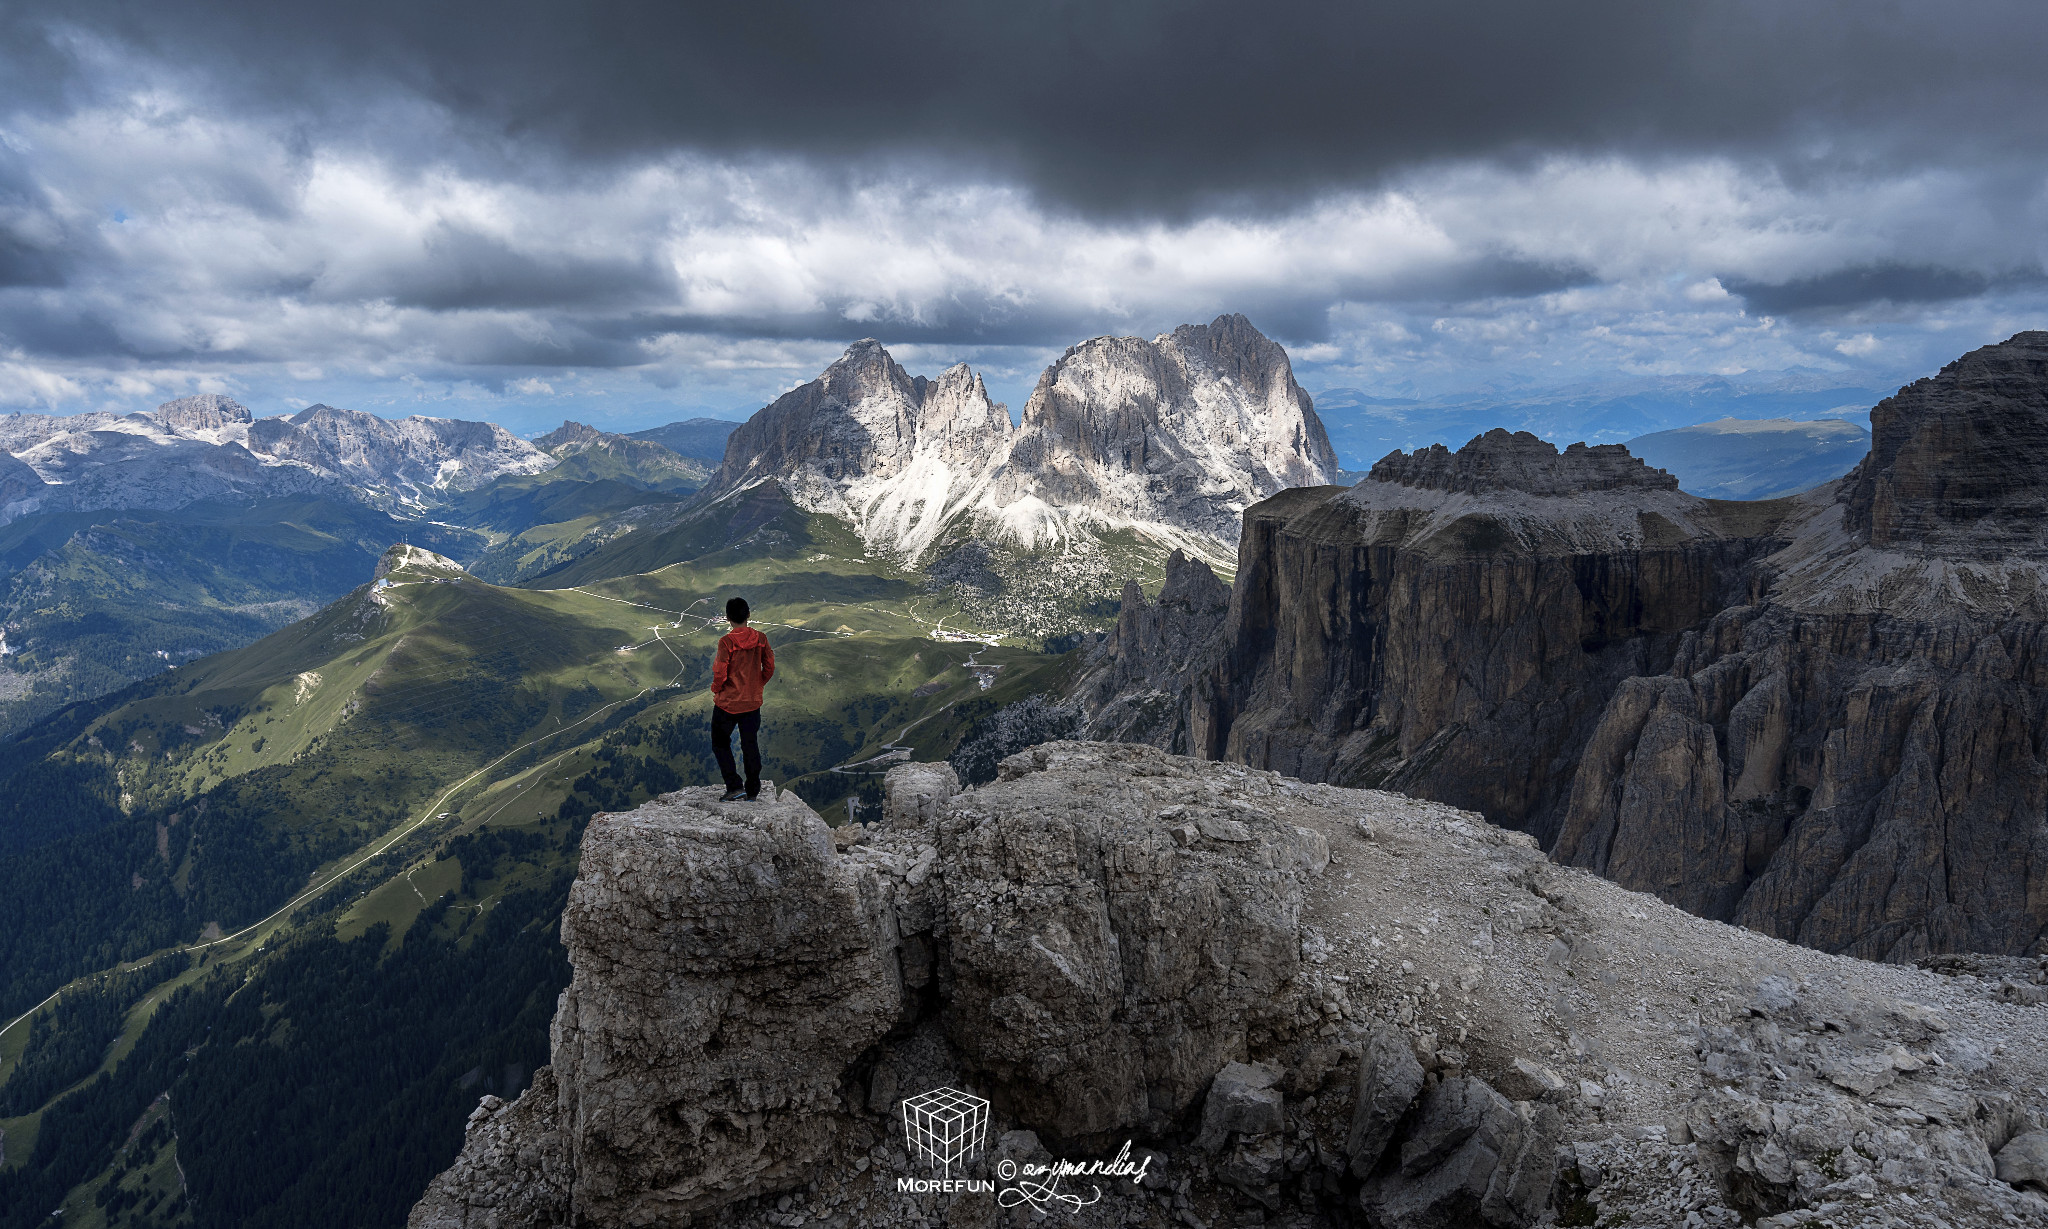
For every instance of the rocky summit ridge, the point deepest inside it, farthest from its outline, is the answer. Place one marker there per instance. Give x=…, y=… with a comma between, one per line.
x=1819, y=717
x=1173, y=436
x=1232, y=998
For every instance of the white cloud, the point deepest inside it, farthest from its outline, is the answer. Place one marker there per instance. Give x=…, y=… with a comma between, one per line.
x=253, y=257
x=25, y=384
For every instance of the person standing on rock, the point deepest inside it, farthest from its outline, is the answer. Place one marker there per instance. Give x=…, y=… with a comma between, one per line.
x=744, y=664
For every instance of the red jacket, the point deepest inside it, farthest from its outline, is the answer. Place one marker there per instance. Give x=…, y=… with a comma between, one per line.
x=744, y=662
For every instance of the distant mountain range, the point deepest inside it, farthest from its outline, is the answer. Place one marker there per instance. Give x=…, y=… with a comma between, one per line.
x=1365, y=427
x=702, y=438
x=1737, y=458
x=129, y=543
x=209, y=448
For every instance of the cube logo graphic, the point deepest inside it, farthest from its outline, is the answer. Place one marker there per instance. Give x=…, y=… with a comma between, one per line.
x=946, y=1127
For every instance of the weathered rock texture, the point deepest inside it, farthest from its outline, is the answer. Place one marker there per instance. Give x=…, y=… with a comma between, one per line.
x=1286, y=1003
x=1441, y=629
x=1819, y=716
x=1172, y=437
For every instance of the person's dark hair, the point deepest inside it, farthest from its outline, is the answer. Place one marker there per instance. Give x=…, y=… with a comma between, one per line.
x=737, y=610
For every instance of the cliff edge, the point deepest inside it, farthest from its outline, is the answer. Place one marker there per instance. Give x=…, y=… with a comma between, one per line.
x=1120, y=987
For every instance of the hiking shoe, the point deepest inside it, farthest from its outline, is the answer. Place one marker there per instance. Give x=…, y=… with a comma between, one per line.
x=735, y=795
x=752, y=797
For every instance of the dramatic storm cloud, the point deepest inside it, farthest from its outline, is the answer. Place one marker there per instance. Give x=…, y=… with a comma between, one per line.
x=630, y=212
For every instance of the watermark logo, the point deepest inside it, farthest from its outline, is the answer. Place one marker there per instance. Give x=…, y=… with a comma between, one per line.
x=946, y=1127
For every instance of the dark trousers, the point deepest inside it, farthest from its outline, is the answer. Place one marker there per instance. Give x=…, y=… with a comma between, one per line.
x=749, y=726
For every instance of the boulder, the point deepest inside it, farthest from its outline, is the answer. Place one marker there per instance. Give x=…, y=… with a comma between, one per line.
x=1100, y=972
x=1241, y=1101
x=1388, y=1080
x=1471, y=1157
x=913, y=793
x=2023, y=1162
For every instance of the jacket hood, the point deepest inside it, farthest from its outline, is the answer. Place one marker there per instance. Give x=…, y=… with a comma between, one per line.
x=746, y=638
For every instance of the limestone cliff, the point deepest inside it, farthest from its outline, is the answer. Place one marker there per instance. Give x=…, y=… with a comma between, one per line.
x=1452, y=624
x=1278, y=1003
x=1819, y=716
x=1137, y=676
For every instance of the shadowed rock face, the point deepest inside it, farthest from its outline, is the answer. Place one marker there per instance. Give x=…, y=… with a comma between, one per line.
x=1820, y=717
x=1131, y=689
x=1957, y=461
x=17, y=483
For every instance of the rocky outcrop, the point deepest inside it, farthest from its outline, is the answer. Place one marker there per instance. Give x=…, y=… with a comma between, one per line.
x=1503, y=461
x=1956, y=460
x=1819, y=717
x=1231, y=997
x=1104, y=965
x=707, y=950
x=1852, y=760
x=1132, y=688
x=1172, y=437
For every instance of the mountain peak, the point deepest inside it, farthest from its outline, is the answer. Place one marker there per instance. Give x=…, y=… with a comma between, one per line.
x=1178, y=433
x=1186, y=429
x=1502, y=460
x=404, y=557
x=866, y=352
x=201, y=412
x=570, y=432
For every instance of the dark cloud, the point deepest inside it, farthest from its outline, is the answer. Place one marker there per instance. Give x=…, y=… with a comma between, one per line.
x=529, y=184
x=27, y=321
x=1168, y=105
x=28, y=255
x=461, y=269
x=25, y=262
x=1888, y=283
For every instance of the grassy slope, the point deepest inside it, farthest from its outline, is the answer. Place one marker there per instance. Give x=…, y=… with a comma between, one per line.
x=95, y=602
